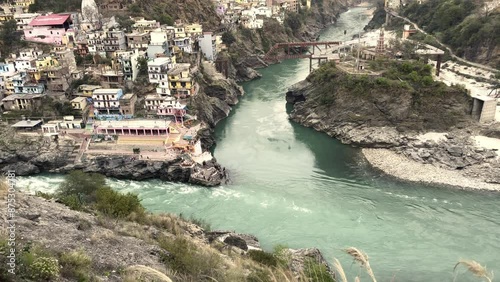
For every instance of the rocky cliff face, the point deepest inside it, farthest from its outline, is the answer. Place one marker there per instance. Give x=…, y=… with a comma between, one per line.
x=375, y=111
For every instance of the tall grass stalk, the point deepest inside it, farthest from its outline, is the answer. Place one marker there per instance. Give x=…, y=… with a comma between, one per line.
x=475, y=268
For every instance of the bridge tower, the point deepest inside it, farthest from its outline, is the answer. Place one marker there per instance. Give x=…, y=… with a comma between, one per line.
x=380, y=43
x=387, y=15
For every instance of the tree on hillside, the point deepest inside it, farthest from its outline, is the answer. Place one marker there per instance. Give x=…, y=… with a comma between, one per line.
x=81, y=184
x=228, y=38
x=10, y=39
x=142, y=64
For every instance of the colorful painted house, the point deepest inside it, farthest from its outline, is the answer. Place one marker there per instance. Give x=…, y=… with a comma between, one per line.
x=180, y=81
x=48, y=29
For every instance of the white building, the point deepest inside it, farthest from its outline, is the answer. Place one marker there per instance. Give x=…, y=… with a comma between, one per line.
x=107, y=101
x=128, y=61
x=159, y=43
x=208, y=45
x=23, y=20
x=157, y=73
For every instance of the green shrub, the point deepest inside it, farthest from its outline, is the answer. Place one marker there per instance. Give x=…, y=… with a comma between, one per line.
x=263, y=257
x=72, y=202
x=118, y=205
x=282, y=254
x=317, y=272
x=44, y=268
x=76, y=264
x=186, y=258
x=46, y=196
x=83, y=185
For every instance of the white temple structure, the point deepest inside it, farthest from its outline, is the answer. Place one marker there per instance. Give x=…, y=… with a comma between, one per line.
x=90, y=14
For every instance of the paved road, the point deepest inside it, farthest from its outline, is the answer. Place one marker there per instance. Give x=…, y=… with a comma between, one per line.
x=442, y=45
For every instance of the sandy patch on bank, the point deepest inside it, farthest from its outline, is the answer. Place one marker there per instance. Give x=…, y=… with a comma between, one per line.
x=488, y=143
x=432, y=136
x=401, y=167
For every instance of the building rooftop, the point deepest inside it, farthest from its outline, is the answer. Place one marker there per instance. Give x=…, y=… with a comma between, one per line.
x=136, y=123
x=151, y=97
x=159, y=61
x=89, y=87
x=107, y=91
x=178, y=68
x=78, y=100
x=128, y=96
x=54, y=19
x=21, y=96
x=27, y=123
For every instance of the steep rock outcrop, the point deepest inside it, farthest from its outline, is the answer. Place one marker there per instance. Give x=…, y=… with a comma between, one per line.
x=376, y=111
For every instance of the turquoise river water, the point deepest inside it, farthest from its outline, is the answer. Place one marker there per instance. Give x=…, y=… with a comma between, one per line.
x=294, y=186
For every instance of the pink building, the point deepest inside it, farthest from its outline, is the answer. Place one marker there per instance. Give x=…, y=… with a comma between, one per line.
x=175, y=110
x=48, y=29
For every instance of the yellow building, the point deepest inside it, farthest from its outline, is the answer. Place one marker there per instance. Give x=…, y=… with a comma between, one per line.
x=87, y=90
x=6, y=17
x=193, y=30
x=24, y=3
x=45, y=66
x=180, y=81
x=9, y=87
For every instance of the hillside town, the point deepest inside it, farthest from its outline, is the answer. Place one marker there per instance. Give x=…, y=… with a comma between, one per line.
x=92, y=63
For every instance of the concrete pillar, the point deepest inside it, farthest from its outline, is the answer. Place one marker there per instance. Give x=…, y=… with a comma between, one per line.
x=438, y=65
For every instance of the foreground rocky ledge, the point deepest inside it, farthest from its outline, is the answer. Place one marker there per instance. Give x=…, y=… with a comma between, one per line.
x=120, y=248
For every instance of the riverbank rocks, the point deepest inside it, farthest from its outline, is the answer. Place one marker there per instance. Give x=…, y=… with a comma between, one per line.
x=299, y=258
x=244, y=242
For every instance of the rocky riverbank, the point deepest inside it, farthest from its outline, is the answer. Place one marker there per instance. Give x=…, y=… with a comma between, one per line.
x=379, y=112
x=451, y=159
x=53, y=158
x=150, y=249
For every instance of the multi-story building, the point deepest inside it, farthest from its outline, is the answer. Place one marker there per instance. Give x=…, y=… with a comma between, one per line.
x=153, y=101
x=127, y=105
x=7, y=72
x=53, y=71
x=129, y=61
x=24, y=4
x=25, y=64
x=22, y=101
x=107, y=101
x=87, y=90
x=95, y=43
x=208, y=45
x=23, y=20
x=171, y=107
x=181, y=41
x=111, y=77
x=158, y=73
x=143, y=25
x=193, y=30
x=48, y=29
x=180, y=81
x=115, y=40
x=23, y=85
x=158, y=47
x=80, y=104
x=138, y=40
x=30, y=53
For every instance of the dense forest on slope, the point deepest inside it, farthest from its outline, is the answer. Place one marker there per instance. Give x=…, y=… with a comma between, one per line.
x=469, y=27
